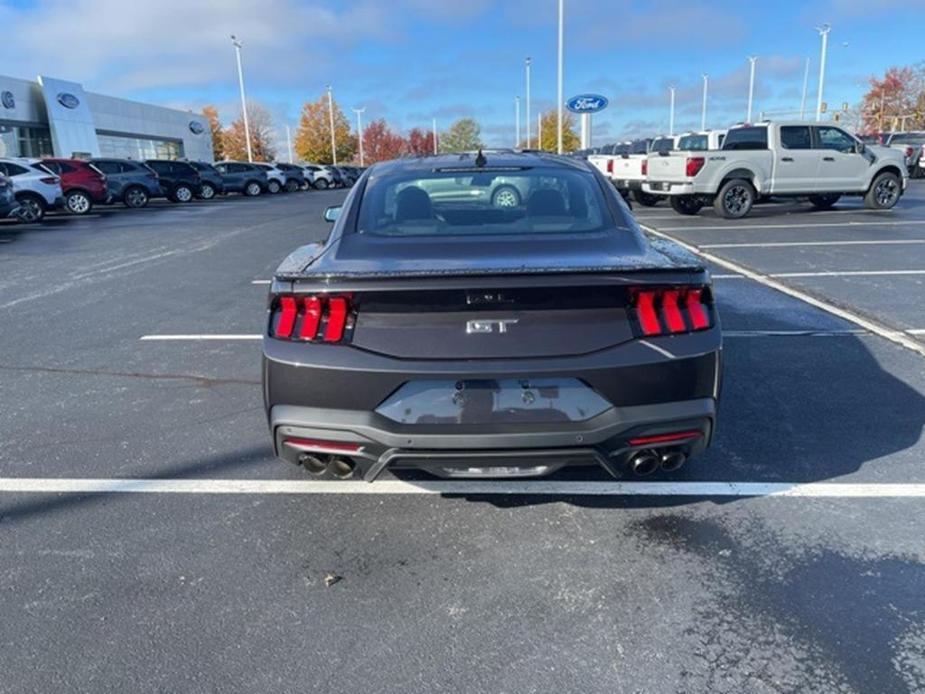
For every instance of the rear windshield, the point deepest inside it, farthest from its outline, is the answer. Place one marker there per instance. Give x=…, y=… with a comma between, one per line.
x=746, y=138
x=663, y=144
x=483, y=201
x=907, y=139
x=622, y=148
x=694, y=143
x=639, y=147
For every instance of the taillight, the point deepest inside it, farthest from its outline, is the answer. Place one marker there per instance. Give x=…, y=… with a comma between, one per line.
x=670, y=311
x=645, y=167
x=49, y=180
x=908, y=151
x=694, y=164
x=610, y=166
x=311, y=318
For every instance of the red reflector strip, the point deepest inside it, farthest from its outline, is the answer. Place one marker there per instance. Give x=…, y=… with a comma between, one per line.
x=696, y=310
x=311, y=318
x=286, y=317
x=645, y=311
x=314, y=444
x=673, y=318
x=665, y=438
x=644, y=167
x=337, y=319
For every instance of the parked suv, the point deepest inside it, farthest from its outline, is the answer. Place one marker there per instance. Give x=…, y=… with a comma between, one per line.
x=241, y=177
x=130, y=182
x=276, y=179
x=83, y=184
x=321, y=177
x=212, y=182
x=36, y=189
x=8, y=204
x=295, y=177
x=180, y=182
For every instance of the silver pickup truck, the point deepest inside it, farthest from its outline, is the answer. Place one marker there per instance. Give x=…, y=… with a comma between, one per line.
x=795, y=159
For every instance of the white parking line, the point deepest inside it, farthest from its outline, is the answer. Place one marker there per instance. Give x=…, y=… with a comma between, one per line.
x=809, y=332
x=902, y=339
x=261, y=281
x=741, y=227
x=729, y=277
x=46, y=485
x=796, y=244
x=195, y=338
x=849, y=273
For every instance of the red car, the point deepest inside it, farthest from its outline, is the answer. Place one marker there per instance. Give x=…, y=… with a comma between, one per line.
x=82, y=183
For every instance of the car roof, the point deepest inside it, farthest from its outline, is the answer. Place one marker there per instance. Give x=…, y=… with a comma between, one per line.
x=494, y=159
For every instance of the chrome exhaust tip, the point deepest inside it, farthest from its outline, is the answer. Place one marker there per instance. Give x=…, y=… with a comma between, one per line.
x=673, y=460
x=644, y=463
x=342, y=468
x=314, y=464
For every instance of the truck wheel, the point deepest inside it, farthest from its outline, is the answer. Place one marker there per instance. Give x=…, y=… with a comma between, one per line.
x=824, y=202
x=645, y=199
x=884, y=192
x=686, y=204
x=735, y=199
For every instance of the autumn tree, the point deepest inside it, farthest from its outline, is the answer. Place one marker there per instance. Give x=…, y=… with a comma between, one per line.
x=381, y=143
x=897, y=101
x=215, y=126
x=313, y=137
x=550, y=123
x=420, y=142
x=260, y=126
x=464, y=135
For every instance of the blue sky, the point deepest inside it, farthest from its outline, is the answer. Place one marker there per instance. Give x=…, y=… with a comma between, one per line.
x=410, y=60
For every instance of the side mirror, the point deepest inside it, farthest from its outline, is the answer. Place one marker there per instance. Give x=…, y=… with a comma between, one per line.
x=331, y=214
x=861, y=148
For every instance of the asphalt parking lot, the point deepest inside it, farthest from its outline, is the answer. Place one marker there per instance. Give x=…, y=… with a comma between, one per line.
x=786, y=559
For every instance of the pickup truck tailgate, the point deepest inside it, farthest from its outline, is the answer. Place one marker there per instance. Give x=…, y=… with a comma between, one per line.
x=671, y=168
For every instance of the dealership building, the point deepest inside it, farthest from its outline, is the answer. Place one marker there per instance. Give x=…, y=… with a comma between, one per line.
x=52, y=117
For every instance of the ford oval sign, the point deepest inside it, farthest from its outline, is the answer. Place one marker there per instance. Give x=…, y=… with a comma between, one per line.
x=6, y=98
x=196, y=127
x=587, y=103
x=68, y=100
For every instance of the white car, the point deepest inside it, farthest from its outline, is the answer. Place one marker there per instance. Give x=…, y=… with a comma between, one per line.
x=276, y=179
x=321, y=175
x=37, y=190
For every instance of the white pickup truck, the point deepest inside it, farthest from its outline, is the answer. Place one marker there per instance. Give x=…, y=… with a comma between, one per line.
x=912, y=145
x=626, y=168
x=789, y=159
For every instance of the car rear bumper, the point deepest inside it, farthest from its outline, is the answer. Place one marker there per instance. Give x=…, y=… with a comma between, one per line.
x=668, y=188
x=627, y=184
x=337, y=394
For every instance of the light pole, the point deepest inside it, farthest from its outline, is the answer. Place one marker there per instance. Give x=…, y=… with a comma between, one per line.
x=752, y=59
x=805, y=85
x=359, y=112
x=435, y=135
x=527, y=122
x=671, y=91
x=824, y=33
x=289, y=143
x=247, y=130
x=703, y=108
x=559, y=91
x=516, y=122
x=331, y=116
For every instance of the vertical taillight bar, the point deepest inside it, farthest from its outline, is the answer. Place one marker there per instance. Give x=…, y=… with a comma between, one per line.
x=337, y=319
x=287, y=316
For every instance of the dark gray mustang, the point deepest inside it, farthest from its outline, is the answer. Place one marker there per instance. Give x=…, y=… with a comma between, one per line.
x=491, y=315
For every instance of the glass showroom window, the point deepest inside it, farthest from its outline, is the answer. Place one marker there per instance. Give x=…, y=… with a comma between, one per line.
x=25, y=142
x=117, y=147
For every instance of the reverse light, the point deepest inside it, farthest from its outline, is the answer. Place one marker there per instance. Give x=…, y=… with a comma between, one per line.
x=693, y=165
x=670, y=311
x=311, y=318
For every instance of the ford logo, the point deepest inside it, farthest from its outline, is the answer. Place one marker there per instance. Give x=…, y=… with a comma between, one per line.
x=587, y=103
x=6, y=98
x=196, y=127
x=68, y=100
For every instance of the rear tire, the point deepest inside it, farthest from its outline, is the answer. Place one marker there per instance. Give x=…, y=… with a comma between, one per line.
x=207, y=192
x=292, y=186
x=735, y=199
x=135, y=198
x=686, y=204
x=31, y=209
x=321, y=184
x=824, y=202
x=884, y=192
x=78, y=203
x=273, y=187
x=252, y=189
x=182, y=193
x=645, y=199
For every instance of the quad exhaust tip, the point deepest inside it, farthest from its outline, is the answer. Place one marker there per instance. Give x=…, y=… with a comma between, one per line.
x=673, y=460
x=321, y=465
x=645, y=462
